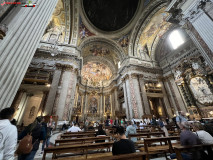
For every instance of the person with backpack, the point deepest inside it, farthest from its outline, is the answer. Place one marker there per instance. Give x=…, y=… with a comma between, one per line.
x=8, y=134
x=30, y=140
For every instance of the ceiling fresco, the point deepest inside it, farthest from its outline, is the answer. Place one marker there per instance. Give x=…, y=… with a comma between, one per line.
x=154, y=30
x=96, y=74
x=100, y=50
x=110, y=15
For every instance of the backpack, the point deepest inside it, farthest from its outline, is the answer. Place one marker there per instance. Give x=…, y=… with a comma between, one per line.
x=25, y=145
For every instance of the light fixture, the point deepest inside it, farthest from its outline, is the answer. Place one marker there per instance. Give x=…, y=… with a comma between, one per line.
x=158, y=84
x=187, y=114
x=48, y=85
x=211, y=112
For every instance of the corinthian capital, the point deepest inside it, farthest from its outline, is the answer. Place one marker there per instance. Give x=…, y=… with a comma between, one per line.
x=3, y=30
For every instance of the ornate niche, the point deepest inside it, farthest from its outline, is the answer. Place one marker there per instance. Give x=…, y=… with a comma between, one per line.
x=93, y=105
x=194, y=80
x=201, y=91
x=107, y=104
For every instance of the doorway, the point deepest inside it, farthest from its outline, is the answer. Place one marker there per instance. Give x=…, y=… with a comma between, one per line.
x=157, y=107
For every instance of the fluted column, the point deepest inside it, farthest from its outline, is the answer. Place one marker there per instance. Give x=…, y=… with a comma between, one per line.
x=26, y=26
x=53, y=90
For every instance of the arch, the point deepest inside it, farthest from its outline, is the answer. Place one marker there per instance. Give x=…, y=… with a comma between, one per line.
x=118, y=49
x=143, y=21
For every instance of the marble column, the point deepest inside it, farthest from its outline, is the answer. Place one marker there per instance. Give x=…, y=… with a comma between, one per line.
x=129, y=97
x=166, y=101
x=42, y=105
x=26, y=26
x=126, y=100
x=145, y=101
x=53, y=90
x=116, y=99
x=66, y=95
x=137, y=93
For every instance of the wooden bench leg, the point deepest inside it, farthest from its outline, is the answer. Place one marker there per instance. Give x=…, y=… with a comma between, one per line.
x=44, y=156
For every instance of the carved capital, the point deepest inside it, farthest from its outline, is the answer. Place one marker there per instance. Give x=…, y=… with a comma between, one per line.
x=3, y=30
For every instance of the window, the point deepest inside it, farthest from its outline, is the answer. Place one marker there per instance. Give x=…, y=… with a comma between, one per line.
x=176, y=39
x=119, y=64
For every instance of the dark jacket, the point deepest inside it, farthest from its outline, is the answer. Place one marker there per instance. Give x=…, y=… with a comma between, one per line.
x=37, y=134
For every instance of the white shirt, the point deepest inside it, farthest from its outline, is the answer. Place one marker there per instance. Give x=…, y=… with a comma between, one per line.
x=74, y=129
x=8, y=140
x=204, y=136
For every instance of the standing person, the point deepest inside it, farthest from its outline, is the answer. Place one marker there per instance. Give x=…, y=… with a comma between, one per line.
x=181, y=119
x=111, y=121
x=167, y=120
x=86, y=125
x=8, y=134
x=124, y=145
x=116, y=122
x=131, y=130
x=47, y=129
x=122, y=122
x=162, y=126
x=37, y=134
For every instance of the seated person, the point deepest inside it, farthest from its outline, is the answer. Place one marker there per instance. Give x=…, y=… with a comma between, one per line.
x=204, y=136
x=131, y=130
x=99, y=133
x=187, y=138
x=74, y=128
x=91, y=128
x=124, y=145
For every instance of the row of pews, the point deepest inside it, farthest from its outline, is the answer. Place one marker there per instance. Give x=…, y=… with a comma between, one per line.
x=83, y=145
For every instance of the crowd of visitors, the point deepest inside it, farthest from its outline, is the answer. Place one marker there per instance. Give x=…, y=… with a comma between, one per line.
x=192, y=133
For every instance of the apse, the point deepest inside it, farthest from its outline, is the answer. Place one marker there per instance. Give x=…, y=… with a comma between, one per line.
x=110, y=15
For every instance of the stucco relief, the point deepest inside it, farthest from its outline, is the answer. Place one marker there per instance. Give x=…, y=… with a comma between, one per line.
x=201, y=90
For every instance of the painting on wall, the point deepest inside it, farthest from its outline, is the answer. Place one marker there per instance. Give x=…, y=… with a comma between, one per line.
x=155, y=28
x=107, y=104
x=95, y=73
x=97, y=50
x=93, y=105
x=201, y=91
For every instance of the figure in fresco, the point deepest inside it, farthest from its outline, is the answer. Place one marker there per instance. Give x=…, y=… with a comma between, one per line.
x=99, y=51
x=95, y=73
x=93, y=107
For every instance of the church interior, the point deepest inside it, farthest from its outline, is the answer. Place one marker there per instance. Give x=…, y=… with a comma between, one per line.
x=101, y=59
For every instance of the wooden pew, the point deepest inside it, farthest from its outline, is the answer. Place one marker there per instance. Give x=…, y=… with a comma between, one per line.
x=80, y=132
x=109, y=156
x=194, y=150
x=80, y=140
x=64, y=136
x=73, y=148
x=167, y=147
